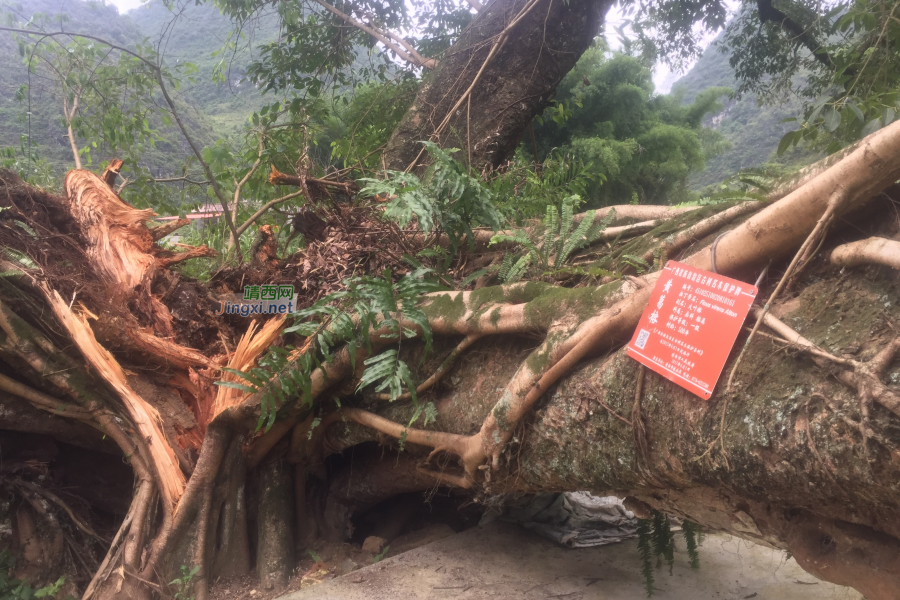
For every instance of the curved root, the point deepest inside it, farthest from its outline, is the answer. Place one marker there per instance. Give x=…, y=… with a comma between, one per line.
x=863, y=377
x=441, y=370
x=874, y=250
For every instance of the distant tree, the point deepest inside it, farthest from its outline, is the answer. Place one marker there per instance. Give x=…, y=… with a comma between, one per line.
x=841, y=60
x=645, y=145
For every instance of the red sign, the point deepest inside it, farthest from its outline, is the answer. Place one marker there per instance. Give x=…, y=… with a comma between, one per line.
x=689, y=326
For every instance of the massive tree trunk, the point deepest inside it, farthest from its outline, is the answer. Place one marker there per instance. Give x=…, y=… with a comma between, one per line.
x=796, y=449
x=501, y=72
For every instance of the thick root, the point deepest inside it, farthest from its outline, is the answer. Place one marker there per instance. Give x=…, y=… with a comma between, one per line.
x=874, y=250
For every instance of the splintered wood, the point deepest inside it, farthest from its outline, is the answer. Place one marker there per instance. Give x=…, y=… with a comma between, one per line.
x=119, y=244
x=145, y=417
x=251, y=345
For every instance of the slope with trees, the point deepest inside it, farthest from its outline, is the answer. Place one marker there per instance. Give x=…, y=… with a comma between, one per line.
x=645, y=146
x=751, y=131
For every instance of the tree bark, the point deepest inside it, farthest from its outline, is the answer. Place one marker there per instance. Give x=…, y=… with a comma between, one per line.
x=799, y=454
x=527, y=61
x=275, y=541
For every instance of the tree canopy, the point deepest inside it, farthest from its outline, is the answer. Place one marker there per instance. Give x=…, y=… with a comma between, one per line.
x=645, y=145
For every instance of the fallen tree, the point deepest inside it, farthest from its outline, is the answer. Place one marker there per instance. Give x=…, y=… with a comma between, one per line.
x=796, y=449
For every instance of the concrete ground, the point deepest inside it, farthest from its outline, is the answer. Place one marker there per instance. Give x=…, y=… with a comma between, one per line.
x=503, y=560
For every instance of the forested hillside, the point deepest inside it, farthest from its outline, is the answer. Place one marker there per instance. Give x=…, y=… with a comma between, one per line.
x=213, y=108
x=201, y=35
x=753, y=131
x=217, y=107
x=47, y=128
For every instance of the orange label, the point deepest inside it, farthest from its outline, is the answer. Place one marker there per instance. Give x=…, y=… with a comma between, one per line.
x=690, y=325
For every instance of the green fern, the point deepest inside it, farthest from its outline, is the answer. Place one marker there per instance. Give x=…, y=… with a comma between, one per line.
x=693, y=535
x=663, y=540
x=344, y=318
x=646, y=553
x=559, y=240
x=657, y=540
x=639, y=264
x=447, y=198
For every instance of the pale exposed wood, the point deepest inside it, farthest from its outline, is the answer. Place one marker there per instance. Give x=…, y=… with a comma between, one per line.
x=145, y=417
x=112, y=171
x=253, y=343
x=119, y=243
x=161, y=231
x=189, y=253
x=169, y=351
x=874, y=250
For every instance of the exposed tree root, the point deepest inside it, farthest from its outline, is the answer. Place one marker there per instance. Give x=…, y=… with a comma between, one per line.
x=700, y=230
x=142, y=496
x=871, y=251
x=45, y=402
x=442, y=370
x=190, y=521
x=144, y=415
x=35, y=489
x=801, y=216
x=863, y=377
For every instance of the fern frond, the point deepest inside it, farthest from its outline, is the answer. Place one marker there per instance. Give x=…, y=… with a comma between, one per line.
x=691, y=532
x=518, y=269
x=566, y=219
x=551, y=230
x=506, y=267
x=646, y=554
x=577, y=240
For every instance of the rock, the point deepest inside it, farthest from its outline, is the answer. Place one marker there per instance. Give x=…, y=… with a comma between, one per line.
x=373, y=544
x=348, y=566
x=424, y=536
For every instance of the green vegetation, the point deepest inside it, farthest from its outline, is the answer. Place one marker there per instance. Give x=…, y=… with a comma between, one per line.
x=448, y=199
x=48, y=90
x=560, y=237
x=17, y=589
x=183, y=583
x=646, y=146
x=656, y=540
x=339, y=319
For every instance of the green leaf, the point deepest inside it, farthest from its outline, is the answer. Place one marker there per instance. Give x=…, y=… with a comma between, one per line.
x=832, y=120
x=237, y=386
x=786, y=142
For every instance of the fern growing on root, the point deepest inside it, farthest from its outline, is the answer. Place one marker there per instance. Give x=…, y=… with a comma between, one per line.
x=345, y=318
x=560, y=239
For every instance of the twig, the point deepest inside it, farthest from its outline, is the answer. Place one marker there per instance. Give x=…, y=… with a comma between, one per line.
x=58, y=501
x=442, y=370
x=177, y=179
x=391, y=40
x=262, y=210
x=614, y=413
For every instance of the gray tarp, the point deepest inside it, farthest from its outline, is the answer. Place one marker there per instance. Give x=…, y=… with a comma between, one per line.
x=573, y=519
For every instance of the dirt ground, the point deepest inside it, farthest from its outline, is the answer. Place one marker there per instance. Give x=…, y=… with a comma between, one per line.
x=503, y=560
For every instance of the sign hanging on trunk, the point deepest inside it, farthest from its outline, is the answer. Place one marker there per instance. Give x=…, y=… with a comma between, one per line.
x=690, y=325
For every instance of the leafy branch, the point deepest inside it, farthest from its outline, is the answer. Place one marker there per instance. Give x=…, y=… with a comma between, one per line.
x=345, y=318
x=561, y=237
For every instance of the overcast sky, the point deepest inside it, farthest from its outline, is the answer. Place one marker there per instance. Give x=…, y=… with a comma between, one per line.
x=662, y=77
